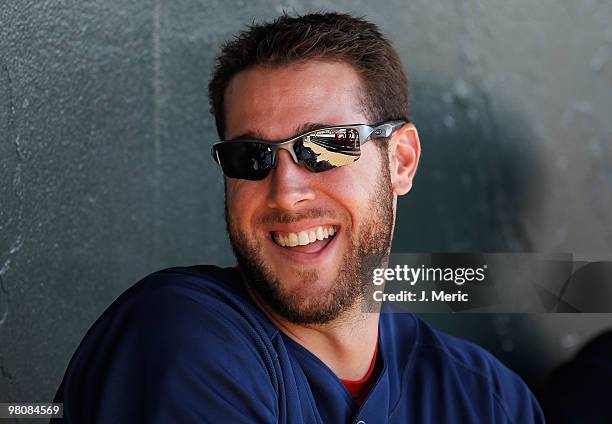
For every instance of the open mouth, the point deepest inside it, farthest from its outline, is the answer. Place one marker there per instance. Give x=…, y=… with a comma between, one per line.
x=310, y=240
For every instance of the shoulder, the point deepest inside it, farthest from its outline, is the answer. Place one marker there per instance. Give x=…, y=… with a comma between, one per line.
x=463, y=366
x=206, y=301
x=182, y=302
x=179, y=306
x=178, y=332
x=197, y=295
x=182, y=291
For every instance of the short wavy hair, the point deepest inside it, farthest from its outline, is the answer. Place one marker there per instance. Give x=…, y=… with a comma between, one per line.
x=323, y=36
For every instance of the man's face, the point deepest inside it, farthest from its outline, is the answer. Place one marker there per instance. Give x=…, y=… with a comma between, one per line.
x=315, y=282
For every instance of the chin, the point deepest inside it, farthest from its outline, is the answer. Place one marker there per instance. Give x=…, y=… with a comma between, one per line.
x=305, y=282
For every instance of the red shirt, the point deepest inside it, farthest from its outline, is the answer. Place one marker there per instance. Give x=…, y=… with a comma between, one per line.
x=359, y=389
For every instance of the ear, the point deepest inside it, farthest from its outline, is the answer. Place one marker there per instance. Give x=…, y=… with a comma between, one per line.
x=404, y=154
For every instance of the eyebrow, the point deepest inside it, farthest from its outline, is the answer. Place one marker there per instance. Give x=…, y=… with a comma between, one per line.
x=301, y=129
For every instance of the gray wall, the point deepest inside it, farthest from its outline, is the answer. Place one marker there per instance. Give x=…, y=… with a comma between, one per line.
x=105, y=174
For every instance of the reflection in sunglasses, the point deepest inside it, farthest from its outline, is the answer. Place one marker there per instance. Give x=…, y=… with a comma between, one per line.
x=338, y=157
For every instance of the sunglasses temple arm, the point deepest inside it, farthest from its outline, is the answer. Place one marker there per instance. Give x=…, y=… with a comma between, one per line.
x=386, y=129
x=390, y=127
x=215, y=155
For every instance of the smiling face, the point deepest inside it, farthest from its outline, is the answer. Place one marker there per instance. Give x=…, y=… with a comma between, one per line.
x=306, y=242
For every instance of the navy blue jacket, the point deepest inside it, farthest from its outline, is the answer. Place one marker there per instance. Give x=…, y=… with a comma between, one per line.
x=187, y=345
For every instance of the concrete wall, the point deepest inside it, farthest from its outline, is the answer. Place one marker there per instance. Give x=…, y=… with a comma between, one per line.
x=105, y=173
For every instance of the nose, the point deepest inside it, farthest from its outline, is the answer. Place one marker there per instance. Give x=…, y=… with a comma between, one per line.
x=291, y=184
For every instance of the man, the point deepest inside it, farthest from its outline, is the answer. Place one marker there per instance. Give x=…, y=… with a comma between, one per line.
x=317, y=148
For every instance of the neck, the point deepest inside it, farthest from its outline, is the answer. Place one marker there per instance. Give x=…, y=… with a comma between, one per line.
x=346, y=345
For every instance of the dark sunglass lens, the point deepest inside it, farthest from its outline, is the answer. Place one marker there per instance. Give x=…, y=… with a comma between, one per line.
x=328, y=148
x=245, y=160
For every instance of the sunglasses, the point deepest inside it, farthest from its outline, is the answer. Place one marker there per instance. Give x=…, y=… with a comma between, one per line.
x=318, y=150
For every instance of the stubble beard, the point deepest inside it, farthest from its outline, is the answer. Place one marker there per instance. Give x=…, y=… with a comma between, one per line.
x=353, y=282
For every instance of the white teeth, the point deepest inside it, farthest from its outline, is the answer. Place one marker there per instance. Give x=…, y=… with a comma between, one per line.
x=293, y=240
x=319, y=233
x=303, y=237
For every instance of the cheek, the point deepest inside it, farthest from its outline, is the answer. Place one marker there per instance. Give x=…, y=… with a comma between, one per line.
x=358, y=185
x=350, y=193
x=230, y=192
x=232, y=196
x=241, y=199
x=362, y=191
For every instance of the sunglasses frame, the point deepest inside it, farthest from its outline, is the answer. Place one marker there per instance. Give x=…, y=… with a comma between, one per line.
x=366, y=133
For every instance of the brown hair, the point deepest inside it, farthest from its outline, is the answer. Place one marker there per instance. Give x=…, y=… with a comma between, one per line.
x=326, y=36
